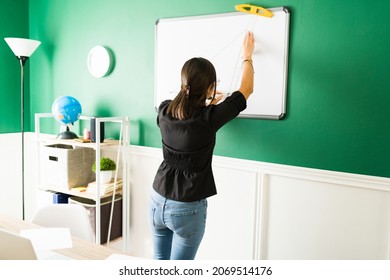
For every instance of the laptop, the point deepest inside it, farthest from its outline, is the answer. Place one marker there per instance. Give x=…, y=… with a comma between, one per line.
x=16, y=247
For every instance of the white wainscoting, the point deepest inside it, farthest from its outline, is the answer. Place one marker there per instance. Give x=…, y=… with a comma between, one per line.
x=11, y=174
x=271, y=211
x=262, y=210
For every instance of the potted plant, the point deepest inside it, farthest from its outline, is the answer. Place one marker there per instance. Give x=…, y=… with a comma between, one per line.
x=107, y=166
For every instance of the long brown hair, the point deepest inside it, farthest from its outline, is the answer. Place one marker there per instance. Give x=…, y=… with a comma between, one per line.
x=197, y=76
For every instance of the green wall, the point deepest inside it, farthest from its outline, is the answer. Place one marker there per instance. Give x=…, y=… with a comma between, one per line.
x=13, y=23
x=338, y=86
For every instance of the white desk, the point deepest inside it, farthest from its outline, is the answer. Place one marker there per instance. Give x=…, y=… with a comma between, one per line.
x=81, y=250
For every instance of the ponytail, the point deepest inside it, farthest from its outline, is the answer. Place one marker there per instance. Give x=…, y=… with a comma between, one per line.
x=197, y=75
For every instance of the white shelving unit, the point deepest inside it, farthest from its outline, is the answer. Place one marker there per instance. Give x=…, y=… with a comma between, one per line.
x=120, y=145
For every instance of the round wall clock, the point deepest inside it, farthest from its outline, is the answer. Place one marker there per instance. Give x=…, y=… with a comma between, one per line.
x=100, y=61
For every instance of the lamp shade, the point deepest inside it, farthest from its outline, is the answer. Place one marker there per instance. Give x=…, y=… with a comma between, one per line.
x=22, y=47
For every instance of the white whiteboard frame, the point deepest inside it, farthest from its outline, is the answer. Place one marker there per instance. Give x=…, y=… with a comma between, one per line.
x=173, y=48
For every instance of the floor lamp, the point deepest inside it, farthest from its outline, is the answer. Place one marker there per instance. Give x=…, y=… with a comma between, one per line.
x=23, y=49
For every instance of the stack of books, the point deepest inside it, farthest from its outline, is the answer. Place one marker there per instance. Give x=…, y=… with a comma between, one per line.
x=105, y=188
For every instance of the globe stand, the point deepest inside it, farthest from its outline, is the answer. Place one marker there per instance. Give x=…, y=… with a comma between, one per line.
x=67, y=134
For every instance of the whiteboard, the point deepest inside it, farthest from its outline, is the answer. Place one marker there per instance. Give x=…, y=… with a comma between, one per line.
x=219, y=38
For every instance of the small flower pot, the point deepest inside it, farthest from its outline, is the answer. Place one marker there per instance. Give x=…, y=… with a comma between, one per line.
x=105, y=176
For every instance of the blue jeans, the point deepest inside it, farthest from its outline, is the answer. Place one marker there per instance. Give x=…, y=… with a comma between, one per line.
x=177, y=227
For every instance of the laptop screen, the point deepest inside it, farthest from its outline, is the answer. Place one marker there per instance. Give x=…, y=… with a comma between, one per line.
x=15, y=247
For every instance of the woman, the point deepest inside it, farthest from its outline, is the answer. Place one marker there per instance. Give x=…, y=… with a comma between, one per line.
x=184, y=180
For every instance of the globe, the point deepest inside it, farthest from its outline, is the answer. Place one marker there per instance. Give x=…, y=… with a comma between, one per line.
x=66, y=109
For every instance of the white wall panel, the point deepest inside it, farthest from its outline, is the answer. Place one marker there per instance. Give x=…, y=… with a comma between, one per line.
x=11, y=174
x=230, y=230
x=317, y=220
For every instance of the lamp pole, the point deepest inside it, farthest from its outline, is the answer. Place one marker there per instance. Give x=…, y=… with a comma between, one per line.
x=22, y=60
